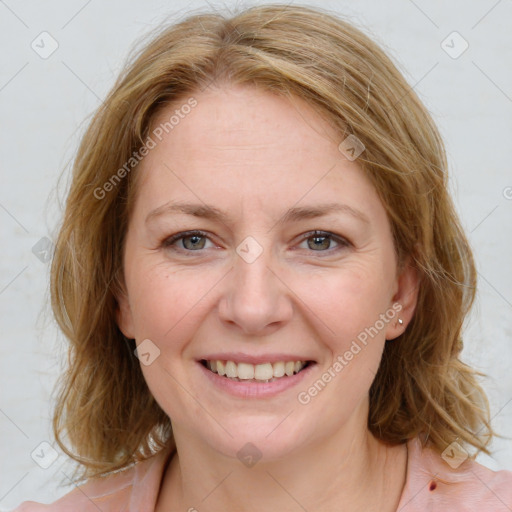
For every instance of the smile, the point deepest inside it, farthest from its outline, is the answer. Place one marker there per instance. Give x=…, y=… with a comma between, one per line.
x=264, y=372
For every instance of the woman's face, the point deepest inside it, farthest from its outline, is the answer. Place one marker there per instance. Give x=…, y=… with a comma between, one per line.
x=294, y=262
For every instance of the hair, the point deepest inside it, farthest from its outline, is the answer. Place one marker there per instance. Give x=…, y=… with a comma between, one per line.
x=422, y=388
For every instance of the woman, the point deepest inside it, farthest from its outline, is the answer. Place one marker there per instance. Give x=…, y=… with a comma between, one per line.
x=263, y=281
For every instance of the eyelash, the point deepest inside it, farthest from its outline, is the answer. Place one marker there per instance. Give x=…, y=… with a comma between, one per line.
x=169, y=242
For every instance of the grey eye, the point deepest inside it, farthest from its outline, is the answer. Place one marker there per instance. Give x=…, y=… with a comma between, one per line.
x=196, y=242
x=319, y=242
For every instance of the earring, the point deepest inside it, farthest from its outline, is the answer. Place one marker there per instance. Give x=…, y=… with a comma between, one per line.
x=400, y=322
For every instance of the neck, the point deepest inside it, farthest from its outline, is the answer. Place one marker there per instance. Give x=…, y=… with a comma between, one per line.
x=342, y=472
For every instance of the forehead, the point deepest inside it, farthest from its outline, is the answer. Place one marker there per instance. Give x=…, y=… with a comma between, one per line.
x=243, y=145
x=244, y=126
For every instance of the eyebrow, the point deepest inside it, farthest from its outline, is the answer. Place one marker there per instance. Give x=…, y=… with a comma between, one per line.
x=292, y=215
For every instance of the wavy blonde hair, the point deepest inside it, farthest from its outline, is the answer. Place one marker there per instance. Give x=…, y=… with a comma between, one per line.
x=104, y=405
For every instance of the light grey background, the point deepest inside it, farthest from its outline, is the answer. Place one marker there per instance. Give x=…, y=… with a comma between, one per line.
x=45, y=102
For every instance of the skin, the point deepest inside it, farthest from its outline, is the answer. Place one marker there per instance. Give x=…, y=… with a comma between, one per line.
x=254, y=155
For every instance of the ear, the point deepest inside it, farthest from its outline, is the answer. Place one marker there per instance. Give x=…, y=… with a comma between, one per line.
x=124, y=316
x=404, y=300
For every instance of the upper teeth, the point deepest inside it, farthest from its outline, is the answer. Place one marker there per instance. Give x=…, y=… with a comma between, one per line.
x=246, y=371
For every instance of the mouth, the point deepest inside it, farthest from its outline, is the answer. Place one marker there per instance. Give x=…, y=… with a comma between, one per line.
x=255, y=373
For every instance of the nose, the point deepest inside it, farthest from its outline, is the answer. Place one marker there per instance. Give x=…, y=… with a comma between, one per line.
x=256, y=300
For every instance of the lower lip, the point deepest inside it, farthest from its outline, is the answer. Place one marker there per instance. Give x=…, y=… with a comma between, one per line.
x=253, y=389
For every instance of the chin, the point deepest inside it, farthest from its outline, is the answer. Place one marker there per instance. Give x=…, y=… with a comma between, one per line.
x=265, y=438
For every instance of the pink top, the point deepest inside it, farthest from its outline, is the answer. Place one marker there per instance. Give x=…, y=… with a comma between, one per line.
x=431, y=485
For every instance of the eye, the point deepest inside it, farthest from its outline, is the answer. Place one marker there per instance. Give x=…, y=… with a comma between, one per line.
x=194, y=241
x=189, y=241
x=321, y=241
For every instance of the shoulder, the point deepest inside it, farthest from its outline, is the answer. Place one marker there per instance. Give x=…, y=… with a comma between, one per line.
x=452, y=480
x=134, y=489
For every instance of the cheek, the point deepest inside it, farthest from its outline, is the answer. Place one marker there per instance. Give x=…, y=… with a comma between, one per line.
x=345, y=301
x=347, y=307
x=164, y=303
x=354, y=336
x=168, y=307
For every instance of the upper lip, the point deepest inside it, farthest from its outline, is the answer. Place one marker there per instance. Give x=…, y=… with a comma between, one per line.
x=239, y=357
